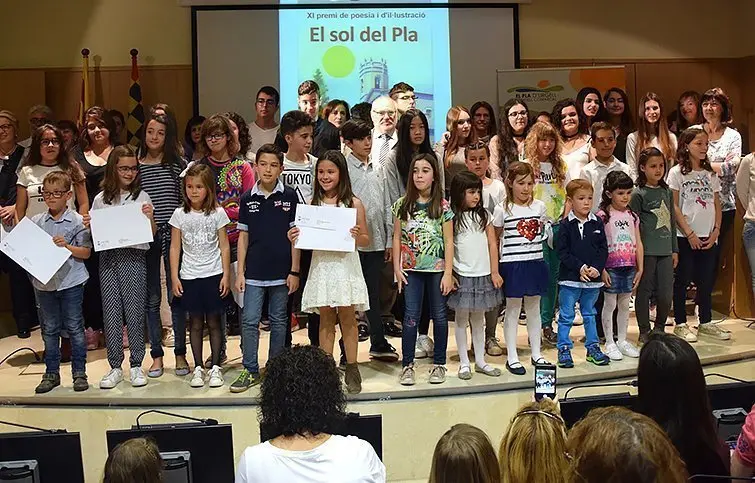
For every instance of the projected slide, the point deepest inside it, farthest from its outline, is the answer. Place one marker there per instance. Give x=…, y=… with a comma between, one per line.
x=359, y=54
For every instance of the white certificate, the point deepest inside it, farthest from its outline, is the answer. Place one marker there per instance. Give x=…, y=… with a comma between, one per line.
x=325, y=228
x=119, y=227
x=33, y=249
x=238, y=297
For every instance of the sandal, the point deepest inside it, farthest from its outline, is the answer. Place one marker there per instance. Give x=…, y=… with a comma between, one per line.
x=540, y=361
x=488, y=370
x=465, y=373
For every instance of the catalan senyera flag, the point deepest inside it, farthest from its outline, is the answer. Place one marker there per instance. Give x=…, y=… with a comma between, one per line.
x=135, y=109
x=86, y=95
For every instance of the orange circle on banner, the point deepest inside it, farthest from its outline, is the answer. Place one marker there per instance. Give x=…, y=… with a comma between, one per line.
x=543, y=83
x=601, y=79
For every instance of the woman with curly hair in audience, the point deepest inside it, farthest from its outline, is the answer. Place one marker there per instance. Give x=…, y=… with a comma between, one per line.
x=616, y=445
x=534, y=445
x=301, y=407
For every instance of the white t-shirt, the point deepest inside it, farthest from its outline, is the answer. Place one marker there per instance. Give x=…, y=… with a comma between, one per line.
x=260, y=136
x=300, y=177
x=31, y=177
x=696, y=198
x=471, y=257
x=522, y=236
x=340, y=459
x=200, y=242
x=124, y=199
x=596, y=172
x=493, y=194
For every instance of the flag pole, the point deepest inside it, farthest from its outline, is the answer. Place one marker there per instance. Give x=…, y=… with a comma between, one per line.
x=135, y=109
x=85, y=101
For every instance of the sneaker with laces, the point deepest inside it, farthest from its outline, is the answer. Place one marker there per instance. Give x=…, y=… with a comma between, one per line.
x=628, y=349
x=714, y=331
x=407, y=375
x=197, y=379
x=577, y=316
x=564, y=358
x=596, y=356
x=169, y=338
x=427, y=344
x=419, y=351
x=493, y=347
x=112, y=378
x=363, y=331
x=683, y=332
x=549, y=337
x=137, y=377
x=386, y=353
x=613, y=352
x=80, y=382
x=50, y=380
x=391, y=329
x=244, y=381
x=216, y=377
x=437, y=374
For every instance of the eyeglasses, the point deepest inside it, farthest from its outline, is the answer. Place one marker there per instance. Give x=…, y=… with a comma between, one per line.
x=128, y=169
x=53, y=194
x=477, y=145
x=408, y=97
x=385, y=113
x=5, y=127
x=518, y=114
x=215, y=137
x=50, y=142
x=268, y=102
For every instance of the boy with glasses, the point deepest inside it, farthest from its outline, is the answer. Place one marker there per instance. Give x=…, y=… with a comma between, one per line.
x=264, y=128
x=403, y=94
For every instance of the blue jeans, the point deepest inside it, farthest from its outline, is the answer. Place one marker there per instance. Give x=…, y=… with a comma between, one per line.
x=567, y=299
x=748, y=236
x=154, y=297
x=62, y=309
x=250, y=322
x=414, y=292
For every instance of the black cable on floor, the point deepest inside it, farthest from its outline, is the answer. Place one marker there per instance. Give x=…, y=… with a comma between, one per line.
x=36, y=356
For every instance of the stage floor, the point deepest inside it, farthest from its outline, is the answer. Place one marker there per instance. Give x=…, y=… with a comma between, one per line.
x=20, y=374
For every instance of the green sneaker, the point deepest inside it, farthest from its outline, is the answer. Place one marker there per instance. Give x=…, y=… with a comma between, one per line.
x=245, y=380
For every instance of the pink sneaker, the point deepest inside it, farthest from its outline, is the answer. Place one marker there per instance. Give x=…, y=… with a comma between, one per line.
x=92, y=338
x=125, y=338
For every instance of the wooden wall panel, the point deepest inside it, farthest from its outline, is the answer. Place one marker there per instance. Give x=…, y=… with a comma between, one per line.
x=20, y=89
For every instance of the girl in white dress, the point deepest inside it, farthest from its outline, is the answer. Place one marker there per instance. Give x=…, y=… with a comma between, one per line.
x=335, y=286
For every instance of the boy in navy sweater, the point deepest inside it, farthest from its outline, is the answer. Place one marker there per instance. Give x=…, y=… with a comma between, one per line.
x=267, y=262
x=582, y=248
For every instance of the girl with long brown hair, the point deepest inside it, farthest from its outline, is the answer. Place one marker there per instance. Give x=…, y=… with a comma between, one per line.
x=507, y=145
x=652, y=131
x=459, y=126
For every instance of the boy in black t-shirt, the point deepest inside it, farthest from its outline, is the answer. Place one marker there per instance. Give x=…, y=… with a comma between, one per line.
x=268, y=265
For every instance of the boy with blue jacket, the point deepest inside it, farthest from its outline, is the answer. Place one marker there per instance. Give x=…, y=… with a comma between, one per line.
x=582, y=248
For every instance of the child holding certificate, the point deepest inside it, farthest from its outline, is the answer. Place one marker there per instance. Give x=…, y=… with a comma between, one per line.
x=61, y=297
x=335, y=285
x=123, y=271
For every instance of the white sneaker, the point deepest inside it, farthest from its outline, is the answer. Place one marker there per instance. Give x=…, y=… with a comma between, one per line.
x=419, y=352
x=216, y=377
x=613, y=352
x=712, y=329
x=137, y=377
x=628, y=349
x=426, y=343
x=112, y=378
x=683, y=332
x=197, y=379
x=578, y=316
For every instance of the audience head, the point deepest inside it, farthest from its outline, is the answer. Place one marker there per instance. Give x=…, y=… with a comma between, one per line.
x=119, y=121
x=616, y=445
x=8, y=127
x=134, y=461
x=70, y=132
x=336, y=112
x=98, y=129
x=301, y=394
x=715, y=106
x=590, y=104
x=672, y=391
x=297, y=128
x=688, y=110
x=617, y=107
x=266, y=102
x=403, y=94
x=362, y=111
x=568, y=119
x=384, y=114
x=534, y=445
x=309, y=98
x=217, y=139
x=39, y=115
x=483, y=120
x=193, y=131
x=464, y=453
x=240, y=131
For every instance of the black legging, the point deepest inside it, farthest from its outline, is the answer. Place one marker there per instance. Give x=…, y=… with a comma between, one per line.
x=196, y=322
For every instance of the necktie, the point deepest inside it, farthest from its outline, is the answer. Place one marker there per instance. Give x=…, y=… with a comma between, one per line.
x=384, y=149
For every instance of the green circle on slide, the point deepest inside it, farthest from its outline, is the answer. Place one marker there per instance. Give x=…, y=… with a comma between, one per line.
x=338, y=61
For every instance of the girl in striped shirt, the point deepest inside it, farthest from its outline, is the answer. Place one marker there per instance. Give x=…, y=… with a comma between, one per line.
x=519, y=227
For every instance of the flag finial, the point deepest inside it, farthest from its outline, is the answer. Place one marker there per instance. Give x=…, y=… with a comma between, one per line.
x=85, y=52
x=134, y=52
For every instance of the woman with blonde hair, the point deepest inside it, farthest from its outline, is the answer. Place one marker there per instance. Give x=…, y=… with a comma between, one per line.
x=465, y=454
x=451, y=155
x=542, y=149
x=616, y=445
x=135, y=460
x=534, y=446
